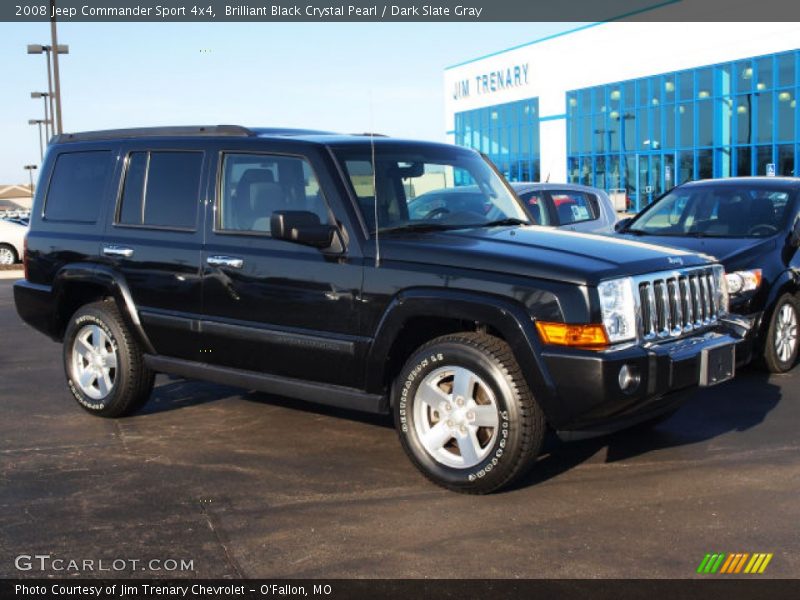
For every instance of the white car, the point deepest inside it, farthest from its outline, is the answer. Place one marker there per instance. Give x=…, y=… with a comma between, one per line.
x=568, y=206
x=12, y=236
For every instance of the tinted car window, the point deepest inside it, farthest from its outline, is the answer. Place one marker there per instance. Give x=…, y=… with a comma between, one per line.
x=717, y=211
x=77, y=185
x=133, y=190
x=161, y=189
x=574, y=207
x=256, y=185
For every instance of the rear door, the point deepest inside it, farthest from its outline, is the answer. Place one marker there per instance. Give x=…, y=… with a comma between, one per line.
x=270, y=305
x=154, y=238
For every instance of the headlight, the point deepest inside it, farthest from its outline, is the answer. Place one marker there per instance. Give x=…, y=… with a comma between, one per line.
x=723, y=291
x=618, y=309
x=740, y=282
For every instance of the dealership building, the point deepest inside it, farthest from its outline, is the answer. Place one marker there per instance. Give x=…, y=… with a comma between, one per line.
x=639, y=107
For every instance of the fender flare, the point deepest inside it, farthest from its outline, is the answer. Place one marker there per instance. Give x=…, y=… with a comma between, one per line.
x=511, y=319
x=114, y=284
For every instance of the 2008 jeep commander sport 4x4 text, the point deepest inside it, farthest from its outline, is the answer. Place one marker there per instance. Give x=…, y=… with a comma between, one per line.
x=363, y=272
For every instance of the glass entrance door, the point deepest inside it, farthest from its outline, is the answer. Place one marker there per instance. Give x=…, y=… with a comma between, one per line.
x=649, y=178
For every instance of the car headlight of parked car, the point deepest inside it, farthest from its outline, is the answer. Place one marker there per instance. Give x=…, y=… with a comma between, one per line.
x=618, y=309
x=740, y=282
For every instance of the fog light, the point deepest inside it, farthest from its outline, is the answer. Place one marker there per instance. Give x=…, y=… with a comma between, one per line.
x=629, y=378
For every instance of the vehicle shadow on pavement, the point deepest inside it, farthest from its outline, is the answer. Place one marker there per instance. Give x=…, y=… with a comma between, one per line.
x=320, y=409
x=178, y=393
x=736, y=406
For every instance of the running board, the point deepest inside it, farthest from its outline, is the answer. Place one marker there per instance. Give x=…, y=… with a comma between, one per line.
x=321, y=393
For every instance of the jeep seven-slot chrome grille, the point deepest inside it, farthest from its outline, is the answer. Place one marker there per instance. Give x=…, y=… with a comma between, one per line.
x=676, y=302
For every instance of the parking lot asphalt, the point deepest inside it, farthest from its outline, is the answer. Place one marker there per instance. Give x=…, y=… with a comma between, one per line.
x=244, y=484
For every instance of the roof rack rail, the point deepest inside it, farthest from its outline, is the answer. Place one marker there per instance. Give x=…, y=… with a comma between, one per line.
x=141, y=132
x=370, y=134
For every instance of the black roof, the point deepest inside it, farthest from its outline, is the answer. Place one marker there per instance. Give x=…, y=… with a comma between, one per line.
x=182, y=131
x=237, y=131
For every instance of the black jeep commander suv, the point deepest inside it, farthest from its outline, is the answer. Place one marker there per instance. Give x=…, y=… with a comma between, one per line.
x=288, y=261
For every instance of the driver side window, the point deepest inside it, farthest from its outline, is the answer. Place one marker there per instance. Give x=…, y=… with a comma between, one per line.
x=253, y=186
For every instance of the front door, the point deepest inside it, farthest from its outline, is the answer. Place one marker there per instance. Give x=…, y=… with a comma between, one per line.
x=271, y=305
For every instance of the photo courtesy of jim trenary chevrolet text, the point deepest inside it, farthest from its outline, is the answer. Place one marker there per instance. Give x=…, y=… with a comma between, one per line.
x=349, y=299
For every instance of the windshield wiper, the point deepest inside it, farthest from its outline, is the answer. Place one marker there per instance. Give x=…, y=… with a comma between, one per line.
x=502, y=222
x=421, y=227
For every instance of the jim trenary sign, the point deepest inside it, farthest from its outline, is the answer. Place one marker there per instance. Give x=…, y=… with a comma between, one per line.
x=492, y=81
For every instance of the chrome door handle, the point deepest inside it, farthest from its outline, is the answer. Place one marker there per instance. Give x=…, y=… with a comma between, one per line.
x=225, y=261
x=118, y=251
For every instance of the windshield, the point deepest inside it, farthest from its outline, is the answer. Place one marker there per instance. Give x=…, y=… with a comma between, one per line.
x=428, y=188
x=721, y=211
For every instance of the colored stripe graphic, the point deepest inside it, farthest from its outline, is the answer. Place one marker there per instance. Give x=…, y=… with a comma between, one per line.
x=703, y=563
x=765, y=563
x=727, y=564
x=711, y=563
x=740, y=564
x=734, y=563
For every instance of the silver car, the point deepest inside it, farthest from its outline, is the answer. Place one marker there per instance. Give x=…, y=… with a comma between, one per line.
x=568, y=206
x=12, y=236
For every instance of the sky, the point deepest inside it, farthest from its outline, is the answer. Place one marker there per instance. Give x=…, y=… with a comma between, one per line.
x=350, y=77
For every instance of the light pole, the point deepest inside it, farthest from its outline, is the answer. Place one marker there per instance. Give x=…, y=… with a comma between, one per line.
x=55, y=98
x=44, y=96
x=30, y=169
x=39, y=122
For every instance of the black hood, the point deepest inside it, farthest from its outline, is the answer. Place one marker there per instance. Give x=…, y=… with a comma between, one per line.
x=538, y=252
x=734, y=253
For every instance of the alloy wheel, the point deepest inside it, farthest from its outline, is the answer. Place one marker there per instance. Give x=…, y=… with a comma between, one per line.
x=94, y=362
x=456, y=417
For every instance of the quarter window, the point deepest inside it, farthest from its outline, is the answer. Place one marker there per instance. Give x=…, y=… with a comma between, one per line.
x=254, y=186
x=77, y=185
x=161, y=190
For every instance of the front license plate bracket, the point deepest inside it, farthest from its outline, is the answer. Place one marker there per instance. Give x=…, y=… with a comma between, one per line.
x=717, y=364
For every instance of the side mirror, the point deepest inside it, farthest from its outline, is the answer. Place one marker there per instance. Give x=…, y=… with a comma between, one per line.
x=301, y=227
x=622, y=224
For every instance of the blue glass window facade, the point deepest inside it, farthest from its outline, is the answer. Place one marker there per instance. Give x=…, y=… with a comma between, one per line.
x=507, y=133
x=648, y=135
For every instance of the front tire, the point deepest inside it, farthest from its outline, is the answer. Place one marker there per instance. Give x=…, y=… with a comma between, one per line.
x=465, y=415
x=104, y=363
x=780, y=346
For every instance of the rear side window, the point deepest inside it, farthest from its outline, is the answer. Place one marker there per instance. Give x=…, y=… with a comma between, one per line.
x=161, y=189
x=77, y=185
x=575, y=207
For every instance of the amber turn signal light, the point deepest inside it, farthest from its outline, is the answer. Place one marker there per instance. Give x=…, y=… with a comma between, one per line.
x=563, y=334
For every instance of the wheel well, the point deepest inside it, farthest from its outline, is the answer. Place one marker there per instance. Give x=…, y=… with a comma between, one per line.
x=419, y=330
x=74, y=295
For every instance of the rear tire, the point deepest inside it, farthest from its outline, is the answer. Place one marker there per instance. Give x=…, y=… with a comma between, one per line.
x=465, y=415
x=104, y=363
x=781, y=344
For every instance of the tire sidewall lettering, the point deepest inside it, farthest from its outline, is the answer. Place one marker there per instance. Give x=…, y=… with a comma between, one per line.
x=83, y=399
